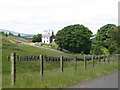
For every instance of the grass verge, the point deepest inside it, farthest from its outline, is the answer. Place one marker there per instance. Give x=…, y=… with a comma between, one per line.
x=53, y=78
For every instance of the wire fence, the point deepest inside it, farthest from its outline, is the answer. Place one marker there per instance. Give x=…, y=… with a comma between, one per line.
x=14, y=58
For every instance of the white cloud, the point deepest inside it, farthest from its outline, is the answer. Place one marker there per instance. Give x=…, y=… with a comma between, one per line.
x=33, y=16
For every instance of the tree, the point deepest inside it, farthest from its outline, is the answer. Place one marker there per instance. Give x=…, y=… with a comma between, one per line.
x=2, y=32
x=37, y=38
x=10, y=33
x=114, y=40
x=74, y=38
x=100, y=44
x=6, y=34
x=19, y=35
x=102, y=34
x=96, y=48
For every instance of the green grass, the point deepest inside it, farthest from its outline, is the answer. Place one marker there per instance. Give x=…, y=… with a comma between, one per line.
x=54, y=78
x=28, y=71
x=28, y=40
x=22, y=50
x=51, y=45
x=0, y=61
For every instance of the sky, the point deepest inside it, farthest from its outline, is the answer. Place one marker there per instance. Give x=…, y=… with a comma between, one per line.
x=35, y=16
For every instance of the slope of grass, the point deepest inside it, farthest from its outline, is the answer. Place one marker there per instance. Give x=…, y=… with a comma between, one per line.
x=20, y=38
x=0, y=61
x=8, y=47
x=28, y=71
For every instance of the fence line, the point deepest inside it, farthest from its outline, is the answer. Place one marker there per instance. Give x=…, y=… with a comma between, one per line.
x=51, y=58
x=13, y=57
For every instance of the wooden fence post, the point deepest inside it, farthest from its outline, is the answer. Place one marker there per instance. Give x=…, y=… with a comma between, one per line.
x=85, y=63
x=75, y=63
x=117, y=57
x=107, y=61
x=8, y=57
x=114, y=57
x=108, y=56
x=92, y=61
x=104, y=58
x=17, y=58
x=13, y=68
x=98, y=58
x=61, y=63
x=41, y=67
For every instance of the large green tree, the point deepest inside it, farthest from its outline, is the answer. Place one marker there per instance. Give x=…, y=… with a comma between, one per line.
x=37, y=38
x=75, y=38
x=114, y=40
x=100, y=42
x=102, y=34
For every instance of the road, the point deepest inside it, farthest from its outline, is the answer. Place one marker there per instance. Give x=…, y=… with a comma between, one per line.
x=106, y=81
x=31, y=44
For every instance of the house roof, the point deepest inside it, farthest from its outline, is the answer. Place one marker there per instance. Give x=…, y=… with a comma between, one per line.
x=46, y=35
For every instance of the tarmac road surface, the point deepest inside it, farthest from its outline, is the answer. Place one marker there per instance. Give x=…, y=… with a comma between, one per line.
x=106, y=81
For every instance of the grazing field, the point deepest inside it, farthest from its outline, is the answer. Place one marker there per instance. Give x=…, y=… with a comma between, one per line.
x=28, y=72
x=0, y=61
x=28, y=40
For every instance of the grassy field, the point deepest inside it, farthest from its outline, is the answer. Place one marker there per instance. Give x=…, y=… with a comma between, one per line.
x=51, y=45
x=28, y=71
x=28, y=40
x=0, y=61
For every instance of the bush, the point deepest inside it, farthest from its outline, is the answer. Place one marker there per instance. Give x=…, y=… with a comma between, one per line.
x=37, y=38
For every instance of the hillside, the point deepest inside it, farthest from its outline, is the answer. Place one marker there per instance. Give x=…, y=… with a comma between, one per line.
x=9, y=46
x=16, y=33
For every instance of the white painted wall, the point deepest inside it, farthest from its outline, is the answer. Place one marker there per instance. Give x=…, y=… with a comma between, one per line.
x=46, y=40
